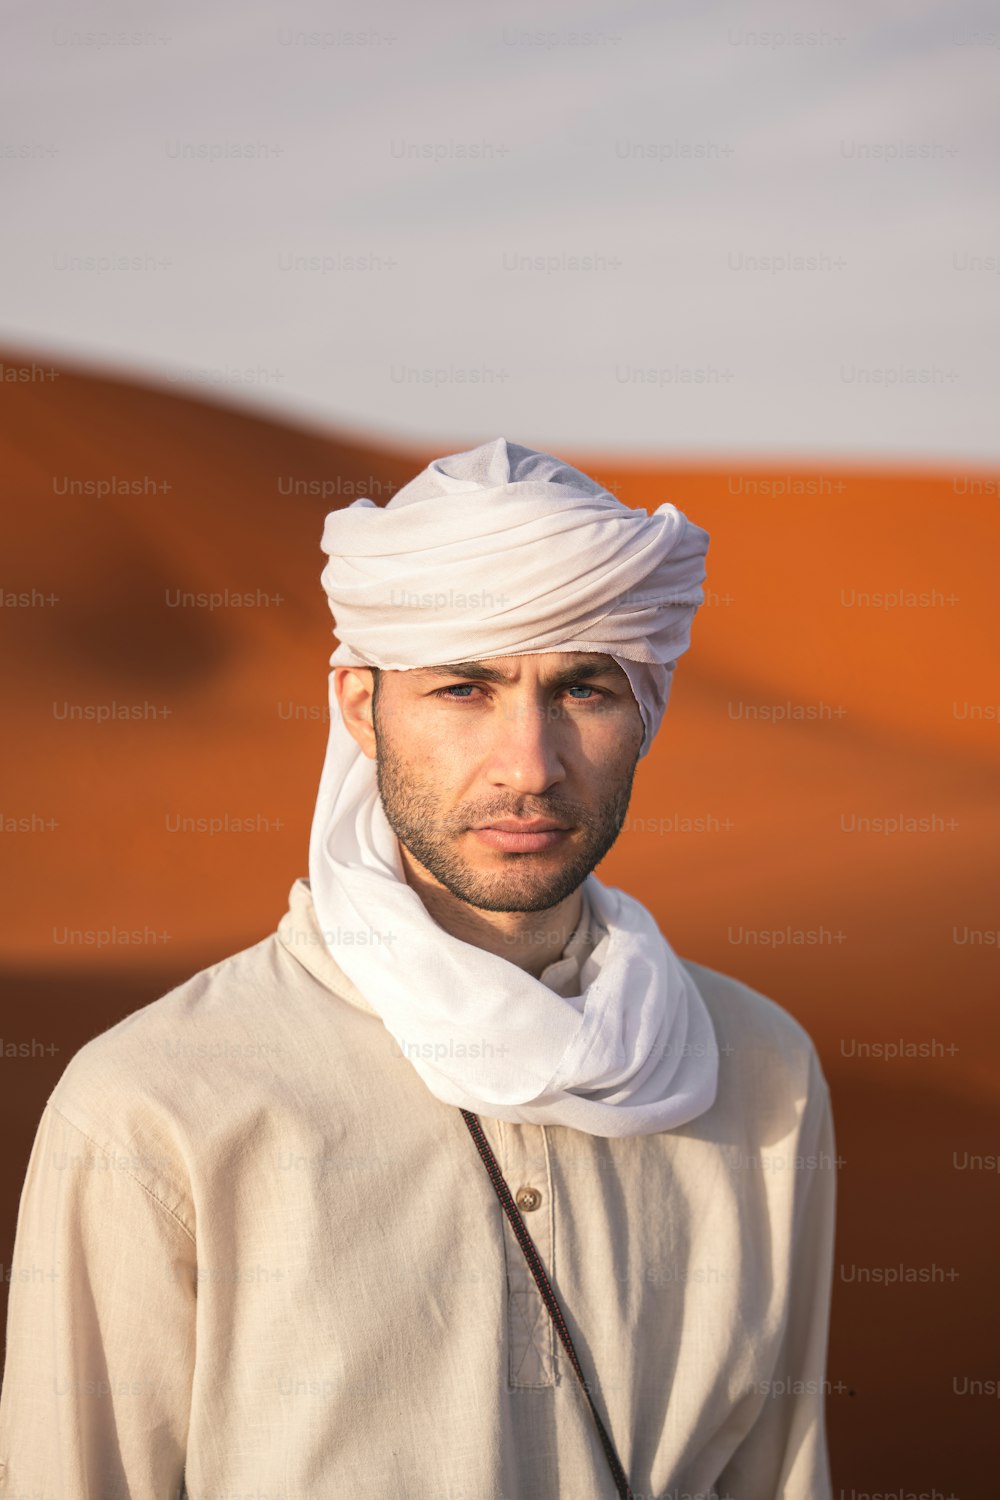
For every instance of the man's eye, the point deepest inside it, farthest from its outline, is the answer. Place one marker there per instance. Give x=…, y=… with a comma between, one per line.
x=465, y=687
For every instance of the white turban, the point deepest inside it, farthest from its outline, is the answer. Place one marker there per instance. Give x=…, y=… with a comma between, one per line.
x=502, y=551
x=509, y=552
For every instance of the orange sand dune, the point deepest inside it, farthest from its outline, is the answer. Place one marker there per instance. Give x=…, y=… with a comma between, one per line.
x=841, y=688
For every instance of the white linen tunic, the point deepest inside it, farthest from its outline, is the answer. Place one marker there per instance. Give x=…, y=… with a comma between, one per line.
x=256, y=1257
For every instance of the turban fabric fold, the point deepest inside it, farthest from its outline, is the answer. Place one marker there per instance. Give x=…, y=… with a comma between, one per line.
x=503, y=551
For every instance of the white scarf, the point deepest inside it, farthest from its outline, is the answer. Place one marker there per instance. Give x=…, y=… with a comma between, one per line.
x=550, y=562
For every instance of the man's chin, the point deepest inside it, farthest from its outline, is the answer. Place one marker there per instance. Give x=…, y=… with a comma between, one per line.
x=512, y=904
x=515, y=889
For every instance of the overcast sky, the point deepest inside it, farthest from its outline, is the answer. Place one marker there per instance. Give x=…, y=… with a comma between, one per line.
x=696, y=229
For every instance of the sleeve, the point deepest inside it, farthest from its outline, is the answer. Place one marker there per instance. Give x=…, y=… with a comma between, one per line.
x=784, y=1455
x=100, y=1330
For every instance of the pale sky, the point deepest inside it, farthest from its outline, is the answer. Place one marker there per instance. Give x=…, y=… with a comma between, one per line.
x=646, y=229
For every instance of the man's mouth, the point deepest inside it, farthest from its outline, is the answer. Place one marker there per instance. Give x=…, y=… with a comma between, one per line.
x=521, y=825
x=521, y=835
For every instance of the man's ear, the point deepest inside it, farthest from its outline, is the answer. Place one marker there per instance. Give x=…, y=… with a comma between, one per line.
x=353, y=686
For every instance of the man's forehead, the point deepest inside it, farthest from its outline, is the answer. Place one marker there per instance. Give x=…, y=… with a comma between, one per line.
x=552, y=664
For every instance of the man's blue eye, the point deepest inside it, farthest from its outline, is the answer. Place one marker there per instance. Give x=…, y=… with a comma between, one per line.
x=466, y=687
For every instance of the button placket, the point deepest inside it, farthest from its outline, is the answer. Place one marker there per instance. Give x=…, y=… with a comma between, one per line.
x=524, y=1160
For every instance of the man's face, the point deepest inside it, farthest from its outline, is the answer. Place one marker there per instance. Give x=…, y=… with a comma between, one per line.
x=508, y=738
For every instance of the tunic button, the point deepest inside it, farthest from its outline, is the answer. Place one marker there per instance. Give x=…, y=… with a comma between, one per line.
x=528, y=1198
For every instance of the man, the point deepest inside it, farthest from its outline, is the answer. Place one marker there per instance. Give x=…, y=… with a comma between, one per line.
x=280, y=1268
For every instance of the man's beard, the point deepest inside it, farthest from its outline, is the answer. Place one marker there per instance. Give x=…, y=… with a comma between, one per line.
x=521, y=882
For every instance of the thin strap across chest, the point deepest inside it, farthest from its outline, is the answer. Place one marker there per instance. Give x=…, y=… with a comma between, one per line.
x=548, y=1295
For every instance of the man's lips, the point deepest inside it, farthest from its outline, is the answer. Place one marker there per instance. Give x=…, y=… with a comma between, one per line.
x=520, y=837
x=520, y=825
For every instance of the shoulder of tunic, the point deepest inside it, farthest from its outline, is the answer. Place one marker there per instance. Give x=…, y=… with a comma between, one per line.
x=772, y=1108
x=766, y=1054
x=747, y=1014
x=175, y=1081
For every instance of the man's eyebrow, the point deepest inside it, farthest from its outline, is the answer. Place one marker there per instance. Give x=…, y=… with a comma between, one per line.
x=578, y=672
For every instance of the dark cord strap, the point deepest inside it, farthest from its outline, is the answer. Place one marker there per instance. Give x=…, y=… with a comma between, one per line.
x=548, y=1295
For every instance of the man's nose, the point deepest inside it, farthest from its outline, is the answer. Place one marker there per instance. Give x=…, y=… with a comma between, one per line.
x=527, y=750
